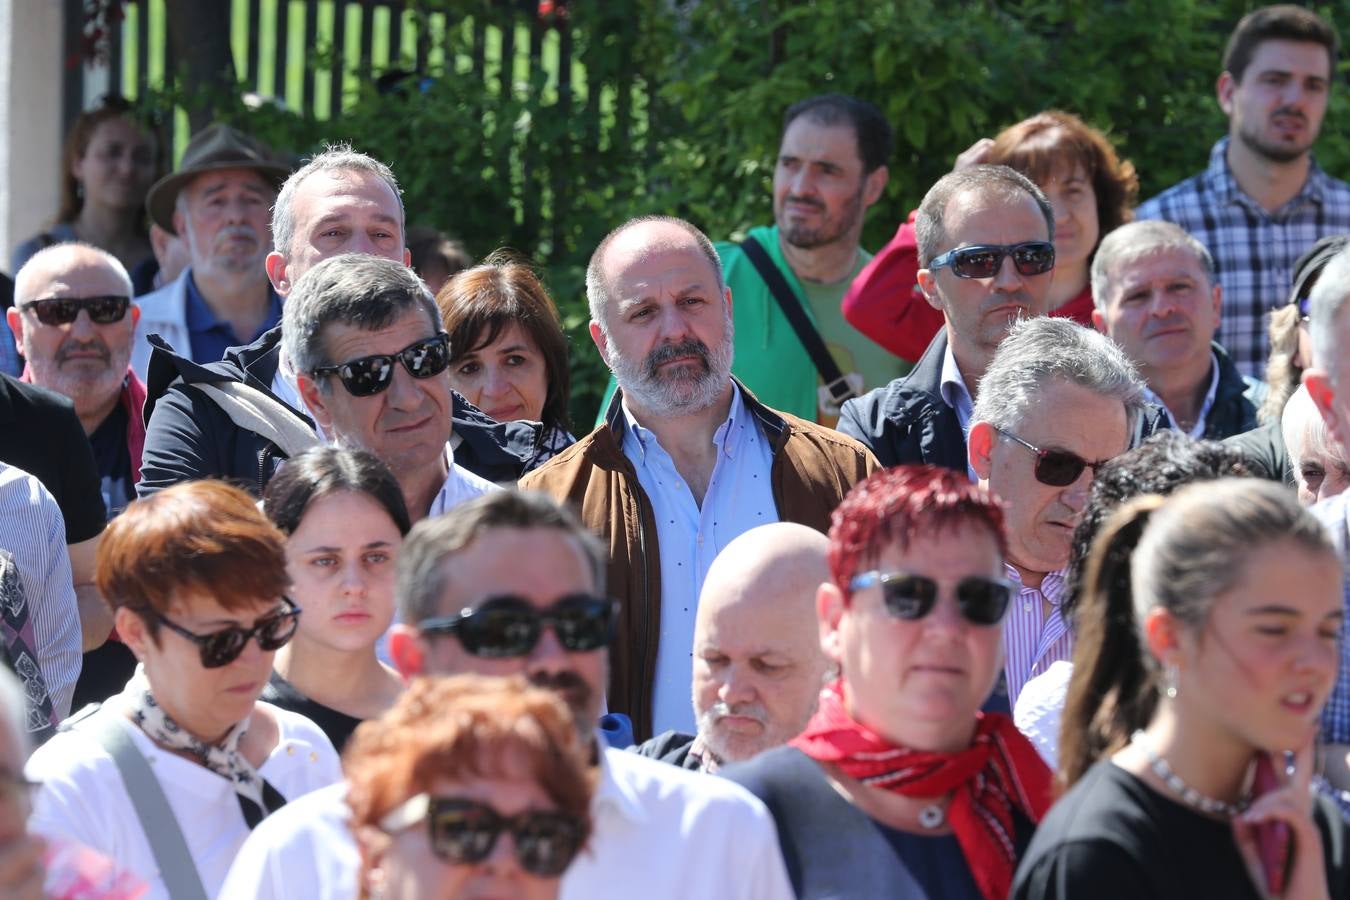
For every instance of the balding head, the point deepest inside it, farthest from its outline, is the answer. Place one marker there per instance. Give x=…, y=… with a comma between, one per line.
x=758, y=666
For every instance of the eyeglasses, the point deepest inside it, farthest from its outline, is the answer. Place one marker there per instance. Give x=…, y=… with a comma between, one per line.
x=220, y=648
x=64, y=310
x=16, y=787
x=984, y=260
x=982, y=601
x=1056, y=468
x=371, y=374
x=465, y=831
x=507, y=625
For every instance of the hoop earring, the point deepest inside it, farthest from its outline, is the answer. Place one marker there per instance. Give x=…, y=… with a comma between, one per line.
x=1170, y=681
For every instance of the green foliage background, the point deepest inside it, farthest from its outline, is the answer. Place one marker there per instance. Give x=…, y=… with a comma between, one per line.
x=675, y=107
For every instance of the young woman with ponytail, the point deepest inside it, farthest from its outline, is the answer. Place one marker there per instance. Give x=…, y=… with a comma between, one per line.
x=1208, y=640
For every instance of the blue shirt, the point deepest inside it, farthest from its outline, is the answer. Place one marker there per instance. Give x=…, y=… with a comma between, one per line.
x=210, y=336
x=688, y=537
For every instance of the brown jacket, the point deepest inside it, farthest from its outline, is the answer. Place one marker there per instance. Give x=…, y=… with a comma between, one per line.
x=813, y=468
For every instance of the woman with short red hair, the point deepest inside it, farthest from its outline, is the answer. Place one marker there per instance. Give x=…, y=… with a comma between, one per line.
x=900, y=786
x=469, y=787
x=168, y=777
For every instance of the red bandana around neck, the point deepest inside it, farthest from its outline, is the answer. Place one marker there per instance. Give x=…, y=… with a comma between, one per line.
x=1000, y=771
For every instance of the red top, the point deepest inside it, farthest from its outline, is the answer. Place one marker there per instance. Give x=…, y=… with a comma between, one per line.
x=885, y=303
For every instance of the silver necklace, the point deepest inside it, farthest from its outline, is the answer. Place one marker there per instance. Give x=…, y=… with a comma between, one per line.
x=932, y=816
x=1189, y=795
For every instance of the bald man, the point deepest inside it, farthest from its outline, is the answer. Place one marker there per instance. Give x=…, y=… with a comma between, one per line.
x=758, y=666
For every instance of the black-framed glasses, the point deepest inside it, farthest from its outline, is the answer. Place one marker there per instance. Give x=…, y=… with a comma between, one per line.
x=220, y=648
x=465, y=831
x=371, y=374
x=1056, y=468
x=18, y=787
x=984, y=260
x=982, y=600
x=507, y=625
x=103, y=310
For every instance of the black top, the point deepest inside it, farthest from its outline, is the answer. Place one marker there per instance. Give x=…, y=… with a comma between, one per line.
x=1264, y=452
x=834, y=850
x=1114, y=836
x=113, y=456
x=669, y=747
x=40, y=433
x=337, y=725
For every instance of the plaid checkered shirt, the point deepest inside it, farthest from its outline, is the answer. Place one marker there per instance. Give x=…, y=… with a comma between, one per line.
x=1254, y=250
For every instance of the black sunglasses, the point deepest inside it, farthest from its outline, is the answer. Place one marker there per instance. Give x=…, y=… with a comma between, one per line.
x=1057, y=468
x=465, y=831
x=982, y=601
x=505, y=625
x=64, y=310
x=372, y=374
x=984, y=260
x=220, y=648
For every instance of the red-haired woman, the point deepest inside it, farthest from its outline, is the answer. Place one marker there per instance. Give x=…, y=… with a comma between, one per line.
x=900, y=786
x=1091, y=189
x=440, y=781
x=169, y=776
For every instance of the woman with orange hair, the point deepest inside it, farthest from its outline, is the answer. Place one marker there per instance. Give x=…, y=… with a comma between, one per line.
x=168, y=777
x=1091, y=189
x=469, y=787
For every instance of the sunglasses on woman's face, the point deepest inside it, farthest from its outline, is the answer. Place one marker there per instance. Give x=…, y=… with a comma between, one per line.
x=984, y=260
x=369, y=375
x=220, y=648
x=64, y=310
x=982, y=601
x=1056, y=468
x=465, y=831
x=506, y=625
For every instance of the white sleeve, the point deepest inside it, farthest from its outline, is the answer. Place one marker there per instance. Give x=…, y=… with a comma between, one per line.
x=305, y=847
x=764, y=874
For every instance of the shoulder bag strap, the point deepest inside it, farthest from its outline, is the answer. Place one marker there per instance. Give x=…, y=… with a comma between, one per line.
x=161, y=828
x=835, y=382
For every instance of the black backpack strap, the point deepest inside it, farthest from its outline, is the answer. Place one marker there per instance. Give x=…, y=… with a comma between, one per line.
x=792, y=307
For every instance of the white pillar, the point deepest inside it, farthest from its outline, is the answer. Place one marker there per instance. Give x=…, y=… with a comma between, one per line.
x=31, y=75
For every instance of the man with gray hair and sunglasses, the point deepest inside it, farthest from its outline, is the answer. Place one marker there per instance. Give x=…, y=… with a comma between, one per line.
x=1057, y=401
x=1155, y=293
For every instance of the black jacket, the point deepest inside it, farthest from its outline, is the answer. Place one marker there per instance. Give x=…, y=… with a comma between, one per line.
x=189, y=436
x=907, y=421
x=1236, y=400
x=669, y=747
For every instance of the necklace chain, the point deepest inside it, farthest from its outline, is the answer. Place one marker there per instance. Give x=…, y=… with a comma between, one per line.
x=1189, y=795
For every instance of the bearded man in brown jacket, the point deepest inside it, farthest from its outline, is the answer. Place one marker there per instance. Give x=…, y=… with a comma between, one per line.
x=686, y=458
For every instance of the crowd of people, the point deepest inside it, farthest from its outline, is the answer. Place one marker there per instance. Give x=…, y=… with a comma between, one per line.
x=1010, y=561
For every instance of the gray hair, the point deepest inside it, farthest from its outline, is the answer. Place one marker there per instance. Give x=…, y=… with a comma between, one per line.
x=996, y=181
x=53, y=259
x=597, y=291
x=1041, y=350
x=421, y=577
x=14, y=702
x=1135, y=240
x=1305, y=431
x=369, y=292
x=335, y=158
x=1324, y=308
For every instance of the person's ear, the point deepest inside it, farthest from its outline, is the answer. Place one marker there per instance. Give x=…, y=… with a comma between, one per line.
x=1099, y=320
x=407, y=651
x=179, y=224
x=276, y=273
x=1217, y=299
x=315, y=401
x=601, y=340
x=875, y=184
x=1223, y=91
x=407, y=257
x=1323, y=394
x=980, y=449
x=135, y=315
x=928, y=285
x=1162, y=637
x=15, y=320
x=830, y=606
x=133, y=631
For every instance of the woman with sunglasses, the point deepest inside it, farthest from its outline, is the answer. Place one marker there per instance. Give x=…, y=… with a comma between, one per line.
x=168, y=777
x=1091, y=189
x=899, y=786
x=343, y=516
x=509, y=350
x=469, y=787
x=1208, y=641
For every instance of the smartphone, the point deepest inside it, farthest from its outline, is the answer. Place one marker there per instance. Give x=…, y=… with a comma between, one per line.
x=1274, y=842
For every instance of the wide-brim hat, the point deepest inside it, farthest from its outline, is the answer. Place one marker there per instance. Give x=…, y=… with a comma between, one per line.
x=213, y=148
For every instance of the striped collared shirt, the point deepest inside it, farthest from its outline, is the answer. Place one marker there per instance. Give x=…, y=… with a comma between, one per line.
x=1033, y=639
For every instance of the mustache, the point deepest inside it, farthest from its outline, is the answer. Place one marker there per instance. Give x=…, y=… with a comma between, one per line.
x=804, y=201
x=566, y=684
x=668, y=352
x=722, y=709
x=237, y=231
x=69, y=348
x=1289, y=111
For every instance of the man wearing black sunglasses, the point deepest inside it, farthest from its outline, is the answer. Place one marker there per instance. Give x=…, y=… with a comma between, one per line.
x=985, y=241
x=1057, y=401
x=512, y=584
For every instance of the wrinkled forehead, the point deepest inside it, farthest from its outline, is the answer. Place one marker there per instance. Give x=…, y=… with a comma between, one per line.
x=994, y=214
x=346, y=192
x=1151, y=261
x=537, y=564
x=639, y=265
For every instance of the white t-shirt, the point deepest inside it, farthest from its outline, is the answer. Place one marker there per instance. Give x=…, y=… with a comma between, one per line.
x=84, y=799
x=660, y=832
x=1040, y=707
